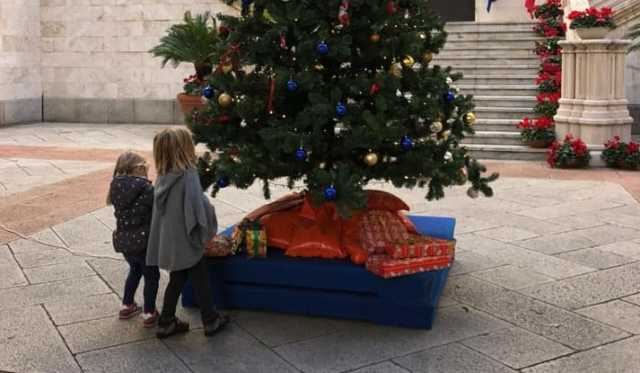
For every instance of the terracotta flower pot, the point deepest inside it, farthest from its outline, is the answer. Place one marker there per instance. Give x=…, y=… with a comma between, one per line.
x=538, y=144
x=592, y=32
x=189, y=103
x=576, y=163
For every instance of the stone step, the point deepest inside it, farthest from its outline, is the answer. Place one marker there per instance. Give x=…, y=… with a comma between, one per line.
x=523, y=43
x=494, y=138
x=505, y=101
x=497, y=79
x=504, y=70
x=503, y=125
x=506, y=152
x=499, y=90
x=503, y=112
x=497, y=61
x=487, y=36
x=497, y=27
x=481, y=51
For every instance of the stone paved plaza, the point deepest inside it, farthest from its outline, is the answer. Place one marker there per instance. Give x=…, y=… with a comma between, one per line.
x=546, y=278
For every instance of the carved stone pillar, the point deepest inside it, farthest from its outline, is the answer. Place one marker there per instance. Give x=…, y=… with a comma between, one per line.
x=593, y=105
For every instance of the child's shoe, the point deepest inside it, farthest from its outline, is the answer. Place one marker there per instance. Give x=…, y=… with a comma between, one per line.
x=149, y=319
x=129, y=310
x=212, y=327
x=174, y=327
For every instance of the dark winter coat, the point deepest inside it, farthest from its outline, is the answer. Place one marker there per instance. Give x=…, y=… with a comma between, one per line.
x=132, y=199
x=183, y=222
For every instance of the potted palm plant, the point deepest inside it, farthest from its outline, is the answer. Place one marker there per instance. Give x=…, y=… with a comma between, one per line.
x=195, y=41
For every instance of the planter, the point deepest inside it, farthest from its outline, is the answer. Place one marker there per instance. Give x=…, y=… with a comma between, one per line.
x=538, y=144
x=624, y=166
x=576, y=163
x=189, y=103
x=328, y=287
x=590, y=33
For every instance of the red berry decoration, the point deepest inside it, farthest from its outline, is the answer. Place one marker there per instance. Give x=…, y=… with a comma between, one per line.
x=222, y=119
x=223, y=31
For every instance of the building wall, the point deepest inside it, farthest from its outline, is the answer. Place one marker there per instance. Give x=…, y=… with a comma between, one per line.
x=95, y=61
x=502, y=11
x=20, y=80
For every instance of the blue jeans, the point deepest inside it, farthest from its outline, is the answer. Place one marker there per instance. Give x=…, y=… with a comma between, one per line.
x=138, y=269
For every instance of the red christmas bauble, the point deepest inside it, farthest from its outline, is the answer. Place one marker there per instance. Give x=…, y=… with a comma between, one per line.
x=375, y=88
x=222, y=119
x=391, y=8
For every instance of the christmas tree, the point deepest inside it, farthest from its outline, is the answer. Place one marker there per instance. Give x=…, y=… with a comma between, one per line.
x=336, y=93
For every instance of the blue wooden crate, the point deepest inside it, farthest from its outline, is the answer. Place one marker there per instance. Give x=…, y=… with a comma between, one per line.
x=329, y=288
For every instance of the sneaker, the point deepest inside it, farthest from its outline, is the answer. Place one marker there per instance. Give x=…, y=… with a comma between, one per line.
x=129, y=310
x=212, y=327
x=149, y=319
x=174, y=327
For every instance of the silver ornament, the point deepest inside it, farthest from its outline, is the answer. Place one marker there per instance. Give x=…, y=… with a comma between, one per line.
x=472, y=193
x=436, y=127
x=449, y=80
x=243, y=123
x=448, y=156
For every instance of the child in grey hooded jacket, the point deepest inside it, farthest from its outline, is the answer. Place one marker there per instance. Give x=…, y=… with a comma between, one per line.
x=183, y=221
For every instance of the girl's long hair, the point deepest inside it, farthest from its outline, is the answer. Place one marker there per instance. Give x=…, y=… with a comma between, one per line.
x=126, y=164
x=173, y=151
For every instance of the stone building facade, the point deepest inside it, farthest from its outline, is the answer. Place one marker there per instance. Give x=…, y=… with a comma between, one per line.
x=87, y=60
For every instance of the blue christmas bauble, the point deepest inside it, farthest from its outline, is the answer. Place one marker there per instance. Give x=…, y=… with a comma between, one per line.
x=222, y=182
x=301, y=154
x=208, y=91
x=322, y=48
x=341, y=109
x=406, y=143
x=450, y=96
x=292, y=85
x=330, y=193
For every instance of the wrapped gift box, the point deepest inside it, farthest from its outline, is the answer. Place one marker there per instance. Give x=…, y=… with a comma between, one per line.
x=387, y=267
x=418, y=246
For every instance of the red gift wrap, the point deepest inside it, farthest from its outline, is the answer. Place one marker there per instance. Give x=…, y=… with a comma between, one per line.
x=378, y=228
x=387, y=267
x=420, y=246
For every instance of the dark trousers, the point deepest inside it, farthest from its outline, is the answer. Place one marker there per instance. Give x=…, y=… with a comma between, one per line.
x=200, y=281
x=138, y=269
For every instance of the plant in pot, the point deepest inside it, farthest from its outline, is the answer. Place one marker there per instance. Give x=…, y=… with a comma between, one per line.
x=570, y=153
x=619, y=154
x=195, y=41
x=537, y=133
x=592, y=23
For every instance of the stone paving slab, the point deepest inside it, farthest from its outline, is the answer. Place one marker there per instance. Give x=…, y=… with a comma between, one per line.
x=90, y=308
x=232, y=350
x=385, y=367
x=56, y=272
x=512, y=277
x=618, y=357
x=29, y=343
x=622, y=315
x=516, y=347
x=11, y=274
x=635, y=299
x=451, y=358
x=67, y=290
x=365, y=343
x=596, y=258
x=97, y=334
x=537, y=317
x=591, y=288
x=142, y=357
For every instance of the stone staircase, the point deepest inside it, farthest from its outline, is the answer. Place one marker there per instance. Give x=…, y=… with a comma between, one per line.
x=499, y=69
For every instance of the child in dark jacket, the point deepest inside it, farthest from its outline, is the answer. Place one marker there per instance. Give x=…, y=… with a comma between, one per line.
x=131, y=194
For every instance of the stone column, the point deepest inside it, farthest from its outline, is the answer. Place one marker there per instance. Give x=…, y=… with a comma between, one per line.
x=593, y=105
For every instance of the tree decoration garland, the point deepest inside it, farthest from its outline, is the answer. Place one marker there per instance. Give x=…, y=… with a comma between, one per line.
x=551, y=27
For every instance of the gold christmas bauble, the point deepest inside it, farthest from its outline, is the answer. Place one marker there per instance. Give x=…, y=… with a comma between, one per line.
x=225, y=100
x=227, y=67
x=374, y=38
x=396, y=70
x=371, y=159
x=408, y=61
x=470, y=118
x=427, y=57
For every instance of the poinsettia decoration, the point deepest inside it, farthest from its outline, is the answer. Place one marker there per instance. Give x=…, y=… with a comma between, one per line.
x=551, y=27
x=592, y=17
x=570, y=153
x=620, y=154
